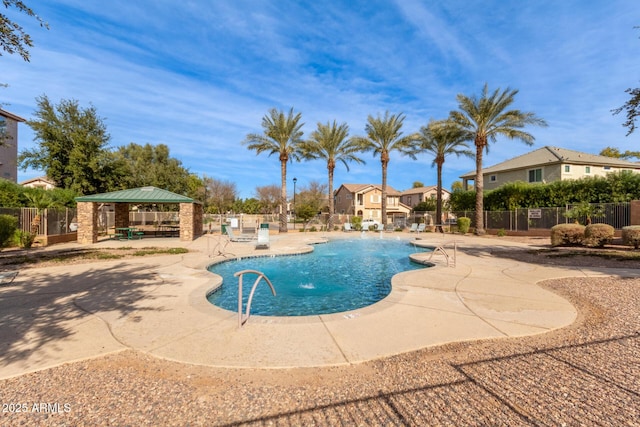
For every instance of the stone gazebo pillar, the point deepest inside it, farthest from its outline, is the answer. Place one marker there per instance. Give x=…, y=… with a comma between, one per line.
x=87, y=222
x=121, y=215
x=191, y=221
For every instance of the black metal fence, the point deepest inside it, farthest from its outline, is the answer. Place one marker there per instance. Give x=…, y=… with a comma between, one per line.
x=51, y=222
x=617, y=215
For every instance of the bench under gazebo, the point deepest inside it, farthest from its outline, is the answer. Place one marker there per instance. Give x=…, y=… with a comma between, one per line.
x=190, y=215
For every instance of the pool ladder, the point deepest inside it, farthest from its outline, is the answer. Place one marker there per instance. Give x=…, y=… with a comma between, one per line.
x=243, y=318
x=449, y=258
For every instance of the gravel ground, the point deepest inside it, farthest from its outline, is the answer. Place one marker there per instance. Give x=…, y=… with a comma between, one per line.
x=585, y=374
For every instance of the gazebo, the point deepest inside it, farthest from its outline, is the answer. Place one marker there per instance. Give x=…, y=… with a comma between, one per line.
x=191, y=212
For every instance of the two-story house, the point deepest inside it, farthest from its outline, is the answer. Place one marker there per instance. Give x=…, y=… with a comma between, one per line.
x=415, y=196
x=365, y=200
x=9, y=145
x=548, y=164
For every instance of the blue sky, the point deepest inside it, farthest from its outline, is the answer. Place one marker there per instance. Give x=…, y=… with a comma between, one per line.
x=199, y=76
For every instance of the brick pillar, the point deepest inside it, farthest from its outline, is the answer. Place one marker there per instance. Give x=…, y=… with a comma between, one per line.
x=87, y=222
x=191, y=221
x=121, y=215
x=634, y=216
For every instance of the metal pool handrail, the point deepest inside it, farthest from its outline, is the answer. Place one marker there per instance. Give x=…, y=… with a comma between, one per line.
x=242, y=319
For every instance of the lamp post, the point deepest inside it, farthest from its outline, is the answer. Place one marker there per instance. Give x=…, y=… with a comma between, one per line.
x=294, y=202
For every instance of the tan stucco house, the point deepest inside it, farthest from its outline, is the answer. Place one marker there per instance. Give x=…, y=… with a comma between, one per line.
x=9, y=145
x=365, y=200
x=548, y=164
x=414, y=196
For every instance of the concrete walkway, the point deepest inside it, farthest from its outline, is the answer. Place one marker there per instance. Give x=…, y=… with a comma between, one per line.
x=158, y=305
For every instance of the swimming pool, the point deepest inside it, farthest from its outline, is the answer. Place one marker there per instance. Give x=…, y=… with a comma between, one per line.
x=341, y=275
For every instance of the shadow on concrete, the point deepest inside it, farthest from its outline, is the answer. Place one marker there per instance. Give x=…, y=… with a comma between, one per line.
x=40, y=307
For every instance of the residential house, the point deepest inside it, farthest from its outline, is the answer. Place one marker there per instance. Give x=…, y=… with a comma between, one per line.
x=9, y=145
x=414, y=196
x=365, y=201
x=548, y=164
x=39, y=182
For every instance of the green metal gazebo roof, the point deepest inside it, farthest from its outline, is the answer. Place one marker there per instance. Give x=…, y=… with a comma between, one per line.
x=137, y=195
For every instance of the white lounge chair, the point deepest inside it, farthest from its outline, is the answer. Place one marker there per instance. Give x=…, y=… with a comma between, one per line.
x=263, y=239
x=380, y=227
x=414, y=227
x=347, y=226
x=421, y=227
x=240, y=238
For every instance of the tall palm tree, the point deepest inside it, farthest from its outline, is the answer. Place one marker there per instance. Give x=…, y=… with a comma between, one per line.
x=483, y=120
x=282, y=136
x=329, y=142
x=441, y=139
x=383, y=137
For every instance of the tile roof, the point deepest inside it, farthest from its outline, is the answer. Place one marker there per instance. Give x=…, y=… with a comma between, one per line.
x=137, y=195
x=549, y=155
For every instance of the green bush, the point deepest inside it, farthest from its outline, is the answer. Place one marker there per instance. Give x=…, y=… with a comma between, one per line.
x=26, y=239
x=356, y=223
x=567, y=234
x=8, y=227
x=631, y=236
x=598, y=235
x=463, y=224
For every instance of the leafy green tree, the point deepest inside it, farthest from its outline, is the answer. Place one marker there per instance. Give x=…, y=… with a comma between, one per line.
x=482, y=120
x=282, y=135
x=441, y=139
x=384, y=136
x=330, y=142
x=428, y=205
x=72, y=146
x=457, y=186
x=150, y=165
x=13, y=39
x=417, y=184
x=615, y=153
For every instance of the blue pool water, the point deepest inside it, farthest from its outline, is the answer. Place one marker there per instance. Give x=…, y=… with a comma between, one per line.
x=337, y=276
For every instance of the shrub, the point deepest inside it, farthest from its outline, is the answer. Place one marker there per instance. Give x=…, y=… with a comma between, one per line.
x=8, y=226
x=27, y=239
x=631, y=236
x=463, y=224
x=567, y=234
x=501, y=232
x=598, y=235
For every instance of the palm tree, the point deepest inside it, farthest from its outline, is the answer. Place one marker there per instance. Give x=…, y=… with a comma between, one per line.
x=329, y=142
x=483, y=120
x=383, y=137
x=442, y=139
x=282, y=135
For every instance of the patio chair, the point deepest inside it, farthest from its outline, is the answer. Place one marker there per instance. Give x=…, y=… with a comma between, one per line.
x=263, y=239
x=6, y=277
x=414, y=227
x=347, y=226
x=421, y=228
x=240, y=238
x=380, y=227
x=389, y=228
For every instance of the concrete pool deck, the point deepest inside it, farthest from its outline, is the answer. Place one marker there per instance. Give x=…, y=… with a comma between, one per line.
x=157, y=305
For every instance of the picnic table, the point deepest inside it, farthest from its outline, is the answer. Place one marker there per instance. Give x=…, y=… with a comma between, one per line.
x=128, y=232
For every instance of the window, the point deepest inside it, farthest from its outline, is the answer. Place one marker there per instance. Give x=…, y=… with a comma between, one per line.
x=607, y=168
x=375, y=198
x=535, y=175
x=567, y=168
x=587, y=169
x=493, y=178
